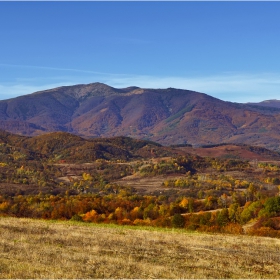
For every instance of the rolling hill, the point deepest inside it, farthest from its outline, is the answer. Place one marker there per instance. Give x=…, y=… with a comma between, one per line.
x=167, y=116
x=65, y=146
x=57, y=146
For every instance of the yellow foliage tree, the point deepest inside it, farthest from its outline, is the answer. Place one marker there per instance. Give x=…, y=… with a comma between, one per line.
x=90, y=216
x=87, y=177
x=184, y=203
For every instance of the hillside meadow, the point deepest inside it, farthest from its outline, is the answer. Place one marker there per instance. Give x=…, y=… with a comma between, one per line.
x=47, y=249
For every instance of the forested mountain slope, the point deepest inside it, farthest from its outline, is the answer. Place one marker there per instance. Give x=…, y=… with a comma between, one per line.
x=168, y=116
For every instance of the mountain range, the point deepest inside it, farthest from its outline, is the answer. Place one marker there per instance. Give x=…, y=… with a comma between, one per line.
x=167, y=116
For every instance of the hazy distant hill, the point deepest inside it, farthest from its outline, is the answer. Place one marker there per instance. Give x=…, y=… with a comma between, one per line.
x=268, y=103
x=168, y=116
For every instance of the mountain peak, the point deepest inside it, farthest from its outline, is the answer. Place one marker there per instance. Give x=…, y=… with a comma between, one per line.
x=82, y=90
x=167, y=116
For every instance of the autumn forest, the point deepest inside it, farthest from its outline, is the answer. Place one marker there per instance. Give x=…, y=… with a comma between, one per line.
x=120, y=180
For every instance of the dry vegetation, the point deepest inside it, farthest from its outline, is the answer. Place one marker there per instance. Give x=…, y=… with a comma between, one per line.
x=44, y=249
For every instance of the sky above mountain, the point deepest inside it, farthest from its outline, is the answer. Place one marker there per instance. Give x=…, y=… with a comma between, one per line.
x=229, y=50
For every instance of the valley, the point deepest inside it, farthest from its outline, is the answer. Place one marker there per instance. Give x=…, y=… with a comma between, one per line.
x=120, y=180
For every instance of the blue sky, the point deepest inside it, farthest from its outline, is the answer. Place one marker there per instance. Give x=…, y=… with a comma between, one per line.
x=230, y=50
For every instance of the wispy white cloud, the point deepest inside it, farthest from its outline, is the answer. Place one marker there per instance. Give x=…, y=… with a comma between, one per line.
x=52, y=68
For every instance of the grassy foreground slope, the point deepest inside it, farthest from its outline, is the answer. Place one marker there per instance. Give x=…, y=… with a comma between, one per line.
x=43, y=249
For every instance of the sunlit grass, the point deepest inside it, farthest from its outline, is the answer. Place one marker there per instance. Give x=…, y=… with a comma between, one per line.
x=53, y=249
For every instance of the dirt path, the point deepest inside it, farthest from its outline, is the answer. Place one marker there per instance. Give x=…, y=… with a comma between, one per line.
x=249, y=225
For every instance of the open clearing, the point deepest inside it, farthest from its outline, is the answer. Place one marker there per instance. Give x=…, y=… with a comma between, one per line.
x=149, y=185
x=45, y=249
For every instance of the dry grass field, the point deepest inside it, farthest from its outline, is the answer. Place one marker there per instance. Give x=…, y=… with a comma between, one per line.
x=45, y=249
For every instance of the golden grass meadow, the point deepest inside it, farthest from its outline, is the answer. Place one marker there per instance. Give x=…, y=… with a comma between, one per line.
x=47, y=249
